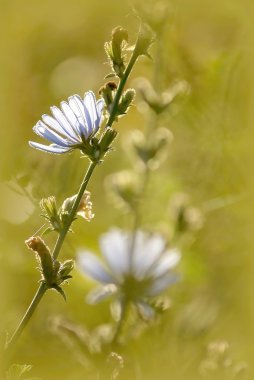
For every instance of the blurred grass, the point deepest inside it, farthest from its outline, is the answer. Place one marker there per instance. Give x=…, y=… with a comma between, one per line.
x=53, y=49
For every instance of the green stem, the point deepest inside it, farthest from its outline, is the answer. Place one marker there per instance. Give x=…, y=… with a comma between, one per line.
x=38, y=296
x=74, y=209
x=120, y=89
x=43, y=288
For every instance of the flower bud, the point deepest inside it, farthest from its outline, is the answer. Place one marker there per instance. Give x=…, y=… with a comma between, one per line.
x=50, y=212
x=65, y=269
x=106, y=140
x=36, y=244
x=126, y=101
x=108, y=93
x=115, y=48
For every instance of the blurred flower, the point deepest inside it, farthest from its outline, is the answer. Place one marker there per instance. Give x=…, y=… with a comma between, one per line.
x=71, y=127
x=137, y=268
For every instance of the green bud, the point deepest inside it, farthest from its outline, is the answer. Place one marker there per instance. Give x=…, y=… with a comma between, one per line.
x=36, y=244
x=115, y=49
x=126, y=101
x=106, y=140
x=65, y=269
x=108, y=93
x=50, y=212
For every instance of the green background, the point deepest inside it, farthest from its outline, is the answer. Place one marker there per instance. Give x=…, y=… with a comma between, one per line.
x=53, y=49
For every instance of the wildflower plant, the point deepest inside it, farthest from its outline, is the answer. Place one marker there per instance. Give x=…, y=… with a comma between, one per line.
x=85, y=124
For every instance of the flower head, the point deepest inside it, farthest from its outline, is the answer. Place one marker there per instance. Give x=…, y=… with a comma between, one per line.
x=71, y=126
x=137, y=268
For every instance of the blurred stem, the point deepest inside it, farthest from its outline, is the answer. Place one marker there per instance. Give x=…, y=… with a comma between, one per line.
x=120, y=324
x=38, y=296
x=43, y=288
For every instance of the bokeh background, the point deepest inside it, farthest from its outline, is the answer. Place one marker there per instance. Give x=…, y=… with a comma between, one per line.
x=52, y=49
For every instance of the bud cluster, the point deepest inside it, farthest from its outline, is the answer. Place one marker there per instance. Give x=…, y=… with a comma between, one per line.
x=57, y=218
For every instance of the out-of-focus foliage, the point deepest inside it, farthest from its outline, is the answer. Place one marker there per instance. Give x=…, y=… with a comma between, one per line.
x=52, y=49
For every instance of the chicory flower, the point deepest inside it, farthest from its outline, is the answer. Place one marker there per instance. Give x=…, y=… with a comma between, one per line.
x=71, y=126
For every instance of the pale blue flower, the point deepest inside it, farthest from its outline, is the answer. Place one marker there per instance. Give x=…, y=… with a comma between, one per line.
x=71, y=126
x=134, y=270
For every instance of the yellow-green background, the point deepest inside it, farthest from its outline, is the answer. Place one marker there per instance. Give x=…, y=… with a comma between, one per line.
x=52, y=49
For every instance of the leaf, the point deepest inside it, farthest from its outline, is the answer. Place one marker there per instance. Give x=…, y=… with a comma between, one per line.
x=60, y=291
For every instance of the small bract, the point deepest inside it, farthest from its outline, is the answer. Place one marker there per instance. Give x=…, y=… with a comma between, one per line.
x=137, y=268
x=72, y=126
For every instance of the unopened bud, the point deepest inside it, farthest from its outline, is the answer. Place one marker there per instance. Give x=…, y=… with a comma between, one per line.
x=50, y=212
x=37, y=245
x=106, y=140
x=126, y=101
x=115, y=48
x=108, y=92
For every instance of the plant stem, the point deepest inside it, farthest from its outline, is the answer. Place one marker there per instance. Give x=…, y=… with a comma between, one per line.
x=43, y=288
x=73, y=212
x=120, y=324
x=38, y=296
x=120, y=89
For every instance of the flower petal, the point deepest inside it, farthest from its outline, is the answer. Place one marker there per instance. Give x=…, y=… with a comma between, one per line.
x=146, y=311
x=70, y=116
x=43, y=131
x=147, y=251
x=99, y=107
x=167, y=261
x=114, y=247
x=59, y=116
x=87, y=117
x=90, y=103
x=91, y=265
x=100, y=294
x=49, y=148
x=53, y=124
x=161, y=283
x=78, y=109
